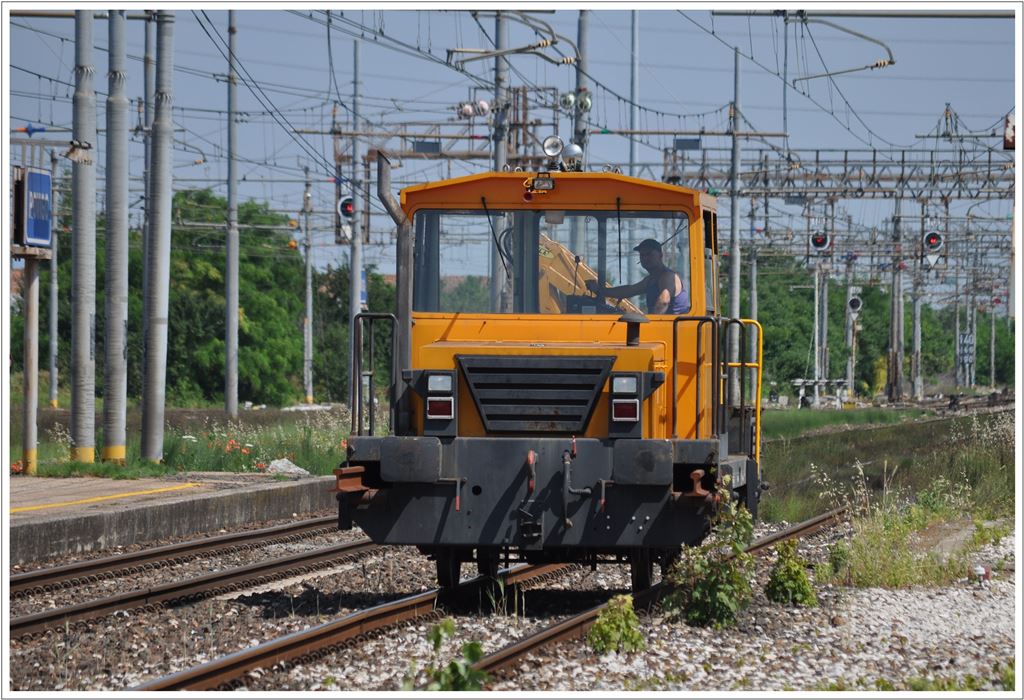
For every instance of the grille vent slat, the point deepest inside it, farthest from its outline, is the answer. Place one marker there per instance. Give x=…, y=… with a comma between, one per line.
x=535, y=393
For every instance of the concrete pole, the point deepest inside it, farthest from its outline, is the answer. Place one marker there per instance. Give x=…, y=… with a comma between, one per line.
x=785, y=76
x=307, y=321
x=972, y=311
x=148, y=87
x=632, y=271
x=848, y=331
x=734, y=234
x=824, y=323
x=83, y=251
x=817, y=331
x=992, y=346
x=356, y=241
x=497, y=270
x=115, y=348
x=954, y=260
x=579, y=122
x=231, y=245
x=894, y=376
x=159, y=254
x=54, y=284
x=917, y=381
x=30, y=406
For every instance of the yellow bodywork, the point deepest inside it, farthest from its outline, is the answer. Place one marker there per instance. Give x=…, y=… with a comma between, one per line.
x=672, y=410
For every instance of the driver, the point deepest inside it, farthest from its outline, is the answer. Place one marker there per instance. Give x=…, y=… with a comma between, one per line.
x=664, y=290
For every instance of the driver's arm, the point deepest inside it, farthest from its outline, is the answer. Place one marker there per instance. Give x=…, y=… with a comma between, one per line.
x=622, y=292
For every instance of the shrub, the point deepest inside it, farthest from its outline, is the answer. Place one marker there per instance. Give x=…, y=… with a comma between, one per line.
x=459, y=674
x=788, y=582
x=616, y=628
x=711, y=582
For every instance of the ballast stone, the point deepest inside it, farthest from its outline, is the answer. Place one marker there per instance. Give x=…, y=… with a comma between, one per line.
x=286, y=466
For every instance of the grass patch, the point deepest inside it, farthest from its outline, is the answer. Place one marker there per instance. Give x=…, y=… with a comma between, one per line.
x=973, y=479
x=1000, y=677
x=978, y=448
x=792, y=423
x=203, y=441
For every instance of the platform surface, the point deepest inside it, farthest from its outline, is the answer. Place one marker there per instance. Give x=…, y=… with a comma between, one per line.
x=53, y=516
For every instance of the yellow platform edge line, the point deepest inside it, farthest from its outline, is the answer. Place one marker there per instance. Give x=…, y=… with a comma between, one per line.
x=96, y=499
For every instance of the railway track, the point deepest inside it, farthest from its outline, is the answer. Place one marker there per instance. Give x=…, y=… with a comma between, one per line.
x=331, y=636
x=190, y=589
x=576, y=627
x=78, y=573
x=356, y=628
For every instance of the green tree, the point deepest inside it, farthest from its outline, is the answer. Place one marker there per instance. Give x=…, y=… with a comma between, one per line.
x=331, y=331
x=271, y=281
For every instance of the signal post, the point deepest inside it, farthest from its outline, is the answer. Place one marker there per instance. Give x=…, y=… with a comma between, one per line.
x=33, y=195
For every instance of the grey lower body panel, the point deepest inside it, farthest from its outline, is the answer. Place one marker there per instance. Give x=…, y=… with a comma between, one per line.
x=613, y=496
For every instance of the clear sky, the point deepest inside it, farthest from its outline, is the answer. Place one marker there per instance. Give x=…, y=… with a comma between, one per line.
x=685, y=79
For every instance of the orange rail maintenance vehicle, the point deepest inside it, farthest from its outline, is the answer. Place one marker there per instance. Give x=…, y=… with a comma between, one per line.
x=543, y=407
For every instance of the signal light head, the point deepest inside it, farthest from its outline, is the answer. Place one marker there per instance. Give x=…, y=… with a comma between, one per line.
x=933, y=241
x=820, y=240
x=347, y=207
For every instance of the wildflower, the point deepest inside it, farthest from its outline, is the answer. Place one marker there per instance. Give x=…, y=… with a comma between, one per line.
x=261, y=466
x=17, y=467
x=245, y=450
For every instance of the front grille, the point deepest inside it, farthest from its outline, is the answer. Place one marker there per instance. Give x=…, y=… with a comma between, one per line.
x=535, y=393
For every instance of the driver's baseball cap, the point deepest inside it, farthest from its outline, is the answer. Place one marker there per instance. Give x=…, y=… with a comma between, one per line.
x=648, y=244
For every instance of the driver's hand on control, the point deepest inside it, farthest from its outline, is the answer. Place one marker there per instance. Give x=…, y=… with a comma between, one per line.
x=591, y=286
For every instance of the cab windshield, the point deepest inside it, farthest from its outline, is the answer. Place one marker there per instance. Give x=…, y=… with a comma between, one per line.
x=551, y=262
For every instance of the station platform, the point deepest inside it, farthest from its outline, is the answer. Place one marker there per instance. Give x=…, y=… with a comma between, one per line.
x=51, y=516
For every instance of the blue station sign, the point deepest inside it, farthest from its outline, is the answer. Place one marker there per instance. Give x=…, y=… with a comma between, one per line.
x=37, y=212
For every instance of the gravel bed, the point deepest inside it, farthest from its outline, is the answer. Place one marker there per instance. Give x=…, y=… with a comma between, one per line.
x=386, y=661
x=855, y=639
x=116, y=583
x=125, y=649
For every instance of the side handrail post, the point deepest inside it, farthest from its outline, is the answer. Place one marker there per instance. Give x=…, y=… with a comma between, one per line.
x=357, y=331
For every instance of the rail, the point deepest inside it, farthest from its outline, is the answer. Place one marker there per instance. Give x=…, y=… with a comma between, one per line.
x=43, y=580
x=198, y=587
x=345, y=631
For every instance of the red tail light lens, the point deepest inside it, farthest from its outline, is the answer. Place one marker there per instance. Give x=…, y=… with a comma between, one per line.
x=440, y=408
x=626, y=410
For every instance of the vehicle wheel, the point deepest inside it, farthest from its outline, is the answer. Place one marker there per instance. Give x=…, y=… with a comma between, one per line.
x=487, y=561
x=641, y=569
x=448, y=567
x=750, y=493
x=668, y=559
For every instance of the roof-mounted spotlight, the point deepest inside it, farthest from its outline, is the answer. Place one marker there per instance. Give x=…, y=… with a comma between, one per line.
x=572, y=156
x=584, y=101
x=553, y=146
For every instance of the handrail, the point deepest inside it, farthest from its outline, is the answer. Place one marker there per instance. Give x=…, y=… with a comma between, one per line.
x=700, y=321
x=357, y=369
x=755, y=449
